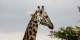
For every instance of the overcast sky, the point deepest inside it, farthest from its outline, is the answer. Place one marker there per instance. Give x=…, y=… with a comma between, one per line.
x=14, y=18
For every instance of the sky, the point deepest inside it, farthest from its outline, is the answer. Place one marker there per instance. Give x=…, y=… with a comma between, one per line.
x=14, y=18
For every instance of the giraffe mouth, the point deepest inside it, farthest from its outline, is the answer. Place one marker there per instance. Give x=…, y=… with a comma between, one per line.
x=51, y=27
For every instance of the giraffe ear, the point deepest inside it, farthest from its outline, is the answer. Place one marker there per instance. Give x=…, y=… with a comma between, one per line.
x=30, y=13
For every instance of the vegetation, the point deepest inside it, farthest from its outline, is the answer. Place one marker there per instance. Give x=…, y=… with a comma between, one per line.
x=68, y=33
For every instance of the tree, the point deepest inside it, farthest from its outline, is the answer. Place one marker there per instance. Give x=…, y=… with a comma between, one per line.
x=68, y=33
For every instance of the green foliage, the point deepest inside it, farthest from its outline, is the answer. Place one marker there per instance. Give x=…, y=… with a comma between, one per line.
x=70, y=33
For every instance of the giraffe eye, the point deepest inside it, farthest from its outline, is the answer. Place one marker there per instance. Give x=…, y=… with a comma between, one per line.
x=46, y=16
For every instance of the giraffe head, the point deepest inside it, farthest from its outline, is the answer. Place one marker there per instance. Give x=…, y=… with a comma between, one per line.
x=43, y=18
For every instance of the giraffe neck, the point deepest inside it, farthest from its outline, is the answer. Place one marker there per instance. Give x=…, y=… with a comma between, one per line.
x=31, y=31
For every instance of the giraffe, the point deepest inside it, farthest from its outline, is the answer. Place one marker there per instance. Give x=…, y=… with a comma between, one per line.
x=39, y=17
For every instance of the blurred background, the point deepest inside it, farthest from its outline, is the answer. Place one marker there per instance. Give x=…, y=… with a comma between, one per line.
x=14, y=18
